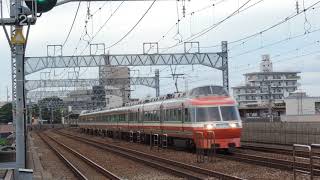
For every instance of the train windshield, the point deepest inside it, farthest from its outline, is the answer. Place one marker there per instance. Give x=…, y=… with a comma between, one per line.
x=205, y=114
x=229, y=113
x=209, y=90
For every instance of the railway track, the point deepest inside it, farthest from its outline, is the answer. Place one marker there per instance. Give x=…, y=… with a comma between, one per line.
x=277, y=150
x=268, y=161
x=174, y=167
x=73, y=167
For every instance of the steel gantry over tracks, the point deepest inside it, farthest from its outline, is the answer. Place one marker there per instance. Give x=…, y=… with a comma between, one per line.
x=36, y=84
x=217, y=60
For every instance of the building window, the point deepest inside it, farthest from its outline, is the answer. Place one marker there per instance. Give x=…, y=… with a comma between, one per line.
x=317, y=107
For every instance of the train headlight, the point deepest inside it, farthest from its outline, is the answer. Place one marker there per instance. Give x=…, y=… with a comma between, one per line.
x=233, y=125
x=209, y=126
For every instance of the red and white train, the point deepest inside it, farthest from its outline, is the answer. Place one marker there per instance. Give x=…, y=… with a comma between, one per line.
x=203, y=116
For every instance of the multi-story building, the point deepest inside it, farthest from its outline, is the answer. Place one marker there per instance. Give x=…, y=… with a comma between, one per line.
x=113, y=91
x=303, y=108
x=117, y=85
x=264, y=90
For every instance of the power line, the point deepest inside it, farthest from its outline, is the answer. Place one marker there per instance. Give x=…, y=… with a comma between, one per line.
x=288, y=52
x=190, y=14
x=103, y=25
x=274, y=43
x=270, y=27
x=74, y=19
x=133, y=26
x=208, y=29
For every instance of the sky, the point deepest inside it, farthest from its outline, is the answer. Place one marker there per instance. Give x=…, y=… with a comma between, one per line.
x=292, y=45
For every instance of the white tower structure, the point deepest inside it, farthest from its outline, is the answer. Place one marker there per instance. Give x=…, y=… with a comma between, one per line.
x=266, y=64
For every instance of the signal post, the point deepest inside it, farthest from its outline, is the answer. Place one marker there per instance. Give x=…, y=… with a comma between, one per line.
x=21, y=15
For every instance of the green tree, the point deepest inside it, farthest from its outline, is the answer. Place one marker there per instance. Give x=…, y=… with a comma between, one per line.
x=6, y=113
x=3, y=142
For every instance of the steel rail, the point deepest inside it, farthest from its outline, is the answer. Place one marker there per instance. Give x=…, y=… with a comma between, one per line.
x=275, y=150
x=268, y=161
x=118, y=149
x=91, y=163
x=72, y=167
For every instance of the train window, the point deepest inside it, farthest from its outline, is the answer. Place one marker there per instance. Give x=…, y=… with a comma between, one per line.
x=172, y=115
x=130, y=117
x=158, y=115
x=229, y=113
x=179, y=115
x=205, y=114
x=145, y=116
x=175, y=115
x=167, y=115
x=124, y=117
x=187, y=115
x=206, y=90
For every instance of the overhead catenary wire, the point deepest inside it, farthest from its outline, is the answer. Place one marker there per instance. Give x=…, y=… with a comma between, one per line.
x=73, y=22
x=282, y=60
x=190, y=14
x=208, y=29
x=114, y=44
x=274, y=43
x=102, y=26
x=268, y=28
x=91, y=38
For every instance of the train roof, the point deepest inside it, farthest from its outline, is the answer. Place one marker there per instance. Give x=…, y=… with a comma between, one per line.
x=169, y=100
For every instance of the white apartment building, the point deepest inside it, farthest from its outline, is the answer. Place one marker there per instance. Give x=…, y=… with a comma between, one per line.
x=265, y=86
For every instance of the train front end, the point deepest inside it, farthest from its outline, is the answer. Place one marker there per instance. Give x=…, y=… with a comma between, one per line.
x=215, y=118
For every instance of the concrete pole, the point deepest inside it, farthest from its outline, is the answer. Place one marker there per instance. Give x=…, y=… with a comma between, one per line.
x=225, y=71
x=157, y=79
x=20, y=107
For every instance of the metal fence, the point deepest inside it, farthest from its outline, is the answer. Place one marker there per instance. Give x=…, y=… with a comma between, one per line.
x=281, y=132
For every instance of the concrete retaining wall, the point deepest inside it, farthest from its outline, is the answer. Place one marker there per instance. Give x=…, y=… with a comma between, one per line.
x=301, y=118
x=281, y=132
